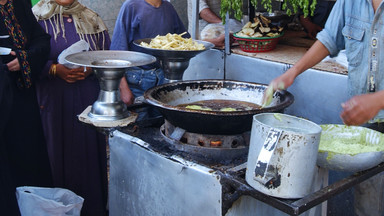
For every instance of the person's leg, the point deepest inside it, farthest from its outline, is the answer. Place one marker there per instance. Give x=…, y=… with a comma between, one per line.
x=140, y=80
x=159, y=75
x=134, y=78
x=369, y=195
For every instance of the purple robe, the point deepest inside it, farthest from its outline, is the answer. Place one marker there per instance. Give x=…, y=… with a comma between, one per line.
x=77, y=152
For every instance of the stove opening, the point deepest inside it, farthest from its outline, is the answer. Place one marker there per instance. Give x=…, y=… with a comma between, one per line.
x=214, y=148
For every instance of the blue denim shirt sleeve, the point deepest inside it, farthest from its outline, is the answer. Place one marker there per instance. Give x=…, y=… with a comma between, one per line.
x=355, y=26
x=331, y=36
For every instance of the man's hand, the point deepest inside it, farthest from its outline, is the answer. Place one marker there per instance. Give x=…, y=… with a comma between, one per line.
x=311, y=28
x=70, y=75
x=280, y=83
x=218, y=42
x=13, y=65
x=125, y=93
x=362, y=108
x=87, y=71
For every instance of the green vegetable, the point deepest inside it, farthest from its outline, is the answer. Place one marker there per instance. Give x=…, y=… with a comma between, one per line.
x=277, y=116
x=234, y=7
x=197, y=107
x=228, y=109
x=349, y=140
x=268, y=95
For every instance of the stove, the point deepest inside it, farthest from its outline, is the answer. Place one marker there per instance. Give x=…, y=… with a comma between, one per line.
x=157, y=169
x=206, y=148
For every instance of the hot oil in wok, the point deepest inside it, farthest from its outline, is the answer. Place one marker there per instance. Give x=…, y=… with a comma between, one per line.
x=221, y=105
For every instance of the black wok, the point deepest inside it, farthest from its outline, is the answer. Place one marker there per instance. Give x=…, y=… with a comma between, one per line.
x=166, y=97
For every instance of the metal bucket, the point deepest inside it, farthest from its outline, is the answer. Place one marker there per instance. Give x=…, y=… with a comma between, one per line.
x=282, y=155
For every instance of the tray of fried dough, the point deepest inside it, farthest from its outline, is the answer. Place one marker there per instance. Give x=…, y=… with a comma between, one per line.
x=350, y=148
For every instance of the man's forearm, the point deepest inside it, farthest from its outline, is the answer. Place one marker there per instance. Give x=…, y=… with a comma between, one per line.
x=313, y=56
x=208, y=15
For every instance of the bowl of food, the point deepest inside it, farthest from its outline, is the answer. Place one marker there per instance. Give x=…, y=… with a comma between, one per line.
x=350, y=148
x=278, y=18
x=258, y=36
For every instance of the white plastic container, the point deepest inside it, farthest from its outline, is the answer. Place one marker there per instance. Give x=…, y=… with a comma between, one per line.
x=282, y=155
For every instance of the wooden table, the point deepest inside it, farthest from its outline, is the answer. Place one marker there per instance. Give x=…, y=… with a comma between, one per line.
x=291, y=47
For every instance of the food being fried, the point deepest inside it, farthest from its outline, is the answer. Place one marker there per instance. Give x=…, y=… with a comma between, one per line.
x=197, y=107
x=228, y=109
x=218, y=105
x=173, y=42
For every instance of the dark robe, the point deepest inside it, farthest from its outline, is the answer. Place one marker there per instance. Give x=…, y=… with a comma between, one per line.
x=7, y=195
x=24, y=158
x=77, y=152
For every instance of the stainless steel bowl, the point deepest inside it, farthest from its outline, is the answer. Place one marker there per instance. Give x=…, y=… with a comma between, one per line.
x=173, y=62
x=351, y=135
x=109, y=67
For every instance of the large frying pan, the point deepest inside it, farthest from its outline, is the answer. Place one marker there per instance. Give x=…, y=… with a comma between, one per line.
x=166, y=97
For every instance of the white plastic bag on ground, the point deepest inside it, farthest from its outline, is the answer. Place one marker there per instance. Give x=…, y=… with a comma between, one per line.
x=41, y=201
x=79, y=46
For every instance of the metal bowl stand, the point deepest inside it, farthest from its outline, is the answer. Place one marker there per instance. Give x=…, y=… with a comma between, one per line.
x=173, y=62
x=109, y=67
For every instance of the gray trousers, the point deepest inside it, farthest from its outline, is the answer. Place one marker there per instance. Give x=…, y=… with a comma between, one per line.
x=369, y=195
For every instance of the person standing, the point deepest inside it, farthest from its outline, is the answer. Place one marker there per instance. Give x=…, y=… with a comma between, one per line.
x=355, y=26
x=77, y=151
x=8, y=197
x=313, y=24
x=140, y=19
x=23, y=151
x=209, y=12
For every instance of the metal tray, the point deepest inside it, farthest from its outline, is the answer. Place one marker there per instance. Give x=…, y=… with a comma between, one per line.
x=110, y=59
x=351, y=135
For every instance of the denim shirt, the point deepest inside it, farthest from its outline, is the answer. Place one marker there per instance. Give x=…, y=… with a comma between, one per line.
x=353, y=25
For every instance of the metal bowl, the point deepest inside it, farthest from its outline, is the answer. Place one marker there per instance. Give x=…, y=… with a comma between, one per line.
x=168, y=96
x=278, y=18
x=109, y=67
x=351, y=135
x=110, y=59
x=172, y=54
x=173, y=62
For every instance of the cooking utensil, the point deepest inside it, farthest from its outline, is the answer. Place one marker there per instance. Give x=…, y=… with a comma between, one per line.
x=278, y=18
x=109, y=67
x=173, y=62
x=364, y=148
x=268, y=95
x=282, y=155
x=168, y=96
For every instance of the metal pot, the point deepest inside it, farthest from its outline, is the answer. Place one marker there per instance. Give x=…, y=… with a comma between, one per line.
x=282, y=155
x=167, y=97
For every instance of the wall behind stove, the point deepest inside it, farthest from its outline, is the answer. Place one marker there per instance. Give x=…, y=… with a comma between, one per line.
x=109, y=9
x=181, y=8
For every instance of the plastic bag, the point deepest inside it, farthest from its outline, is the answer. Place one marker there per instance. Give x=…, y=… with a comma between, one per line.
x=48, y=201
x=79, y=46
x=341, y=58
x=214, y=30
